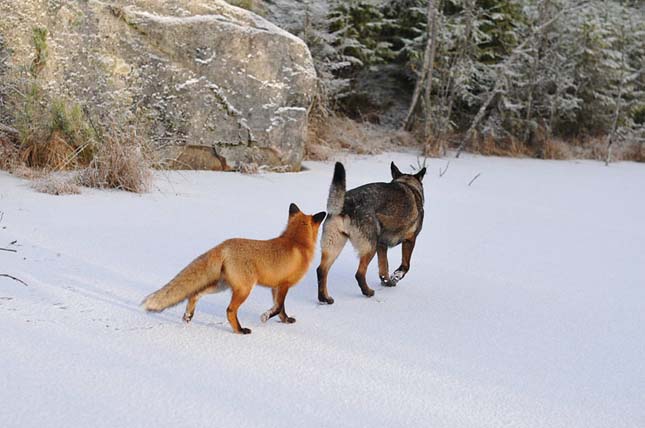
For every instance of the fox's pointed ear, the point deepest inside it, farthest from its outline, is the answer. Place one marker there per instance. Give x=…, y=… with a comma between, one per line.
x=395, y=171
x=293, y=208
x=319, y=217
x=419, y=175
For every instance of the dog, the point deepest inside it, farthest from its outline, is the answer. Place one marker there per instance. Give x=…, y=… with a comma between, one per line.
x=239, y=264
x=374, y=217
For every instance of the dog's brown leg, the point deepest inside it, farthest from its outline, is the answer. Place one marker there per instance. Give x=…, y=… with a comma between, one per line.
x=383, y=268
x=332, y=243
x=408, y=246
x=362, y=269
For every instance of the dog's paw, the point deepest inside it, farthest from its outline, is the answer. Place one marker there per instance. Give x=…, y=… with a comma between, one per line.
x=368, y=292
x=265, y=316
x=396, y=277
x=323, y=299
x=385, y=282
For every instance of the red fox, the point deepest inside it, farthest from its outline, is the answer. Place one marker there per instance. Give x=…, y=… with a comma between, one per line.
x=239, y=264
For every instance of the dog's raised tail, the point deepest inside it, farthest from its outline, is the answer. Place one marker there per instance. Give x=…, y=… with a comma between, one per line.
x=202, y=272
x=336, y=198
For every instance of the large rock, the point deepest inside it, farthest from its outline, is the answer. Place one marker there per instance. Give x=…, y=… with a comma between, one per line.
x=200, y=74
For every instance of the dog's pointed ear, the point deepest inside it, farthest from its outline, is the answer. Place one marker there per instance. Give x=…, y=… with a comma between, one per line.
x=293, y=208
x=395, y=171
x=319, y=217
x=419, y=175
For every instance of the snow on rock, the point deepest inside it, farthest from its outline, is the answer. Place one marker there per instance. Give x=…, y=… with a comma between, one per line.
x=523, y=306
x=192, y=70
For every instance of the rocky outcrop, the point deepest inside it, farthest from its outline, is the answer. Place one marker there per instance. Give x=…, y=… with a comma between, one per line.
x=217, y=79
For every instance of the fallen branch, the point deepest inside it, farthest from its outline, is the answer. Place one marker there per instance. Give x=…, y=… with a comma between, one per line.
x=9, y=129
x=15, y=279
x=474, y=178
x=441, y=173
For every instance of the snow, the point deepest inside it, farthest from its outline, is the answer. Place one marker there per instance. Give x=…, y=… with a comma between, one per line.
x=523, y=306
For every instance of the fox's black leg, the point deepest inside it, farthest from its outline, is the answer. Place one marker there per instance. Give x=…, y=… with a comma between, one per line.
x=360, y=273
x=408, y=246
x=383, y=269
x=279, y=296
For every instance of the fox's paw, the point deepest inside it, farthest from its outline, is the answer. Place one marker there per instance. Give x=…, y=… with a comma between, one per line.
x=244, y=330
x=187, y=317
x=289, y=320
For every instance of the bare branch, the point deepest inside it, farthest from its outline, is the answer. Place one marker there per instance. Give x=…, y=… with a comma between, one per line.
x=15, y=279
x=444, y=171
x=475, y=178
x=9, y=129
x=428, y=64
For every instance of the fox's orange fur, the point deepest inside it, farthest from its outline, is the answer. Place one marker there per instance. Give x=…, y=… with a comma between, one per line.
x=239, y=264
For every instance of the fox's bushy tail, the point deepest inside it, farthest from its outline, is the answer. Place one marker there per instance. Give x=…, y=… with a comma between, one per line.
x=199, y=274
x=336, y=198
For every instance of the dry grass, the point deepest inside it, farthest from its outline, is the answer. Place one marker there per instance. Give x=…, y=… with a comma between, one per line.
x=27, y=173
x=55, y=154
x=437, y=146
x=57, y=184
x=120, y=162
x=251, y=168
x=332, y=134
x=555, y=149
x=8, y=154
x=506, y=146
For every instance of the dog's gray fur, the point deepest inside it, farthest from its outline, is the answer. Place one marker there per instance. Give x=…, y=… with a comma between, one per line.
x=374, y=217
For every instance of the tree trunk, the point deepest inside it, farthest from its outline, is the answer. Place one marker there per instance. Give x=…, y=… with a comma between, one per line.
x=619, y=98
x=432, y=35
x=544, y=9
x=428, y=65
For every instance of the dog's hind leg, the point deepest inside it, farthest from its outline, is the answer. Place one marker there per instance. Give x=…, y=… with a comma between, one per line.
x=383, y=268
x=407, y=247
x=332, y=242
x=364, y=262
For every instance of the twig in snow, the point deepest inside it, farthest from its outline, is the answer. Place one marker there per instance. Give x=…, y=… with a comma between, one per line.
x=420, y=165
x=15, y=279
x=9, y=249
x=441, y=173
x=474, y=178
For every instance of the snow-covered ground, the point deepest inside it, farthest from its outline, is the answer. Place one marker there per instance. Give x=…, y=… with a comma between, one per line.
x=524, y=307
